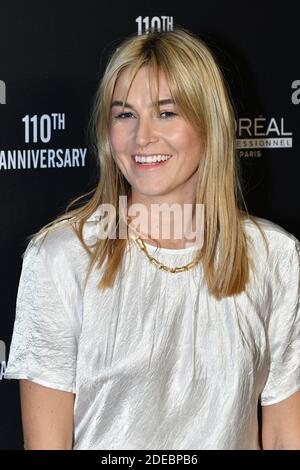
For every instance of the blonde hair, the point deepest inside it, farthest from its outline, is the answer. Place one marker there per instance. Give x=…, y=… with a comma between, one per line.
x=198, y=88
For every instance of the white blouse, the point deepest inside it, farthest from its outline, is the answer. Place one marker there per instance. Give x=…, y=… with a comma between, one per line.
x=156, y=362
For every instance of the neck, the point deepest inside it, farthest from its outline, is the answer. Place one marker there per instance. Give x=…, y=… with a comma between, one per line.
x=164, y=221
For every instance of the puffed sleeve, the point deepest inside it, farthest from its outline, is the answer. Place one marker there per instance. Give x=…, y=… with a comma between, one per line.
x=43, y=346
x=284, y=327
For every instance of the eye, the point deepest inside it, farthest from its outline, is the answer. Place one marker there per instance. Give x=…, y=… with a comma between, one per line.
x=167, y=114
x=123, y=115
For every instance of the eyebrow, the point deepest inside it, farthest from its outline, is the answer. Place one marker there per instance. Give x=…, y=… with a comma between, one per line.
x=128, y=105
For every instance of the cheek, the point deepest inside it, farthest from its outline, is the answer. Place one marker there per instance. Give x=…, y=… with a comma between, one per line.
x=119, y=145
x=186, y=141
x=119, y=139
x=193, y=145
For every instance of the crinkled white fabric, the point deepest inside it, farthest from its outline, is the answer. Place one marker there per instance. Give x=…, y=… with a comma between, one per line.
x=156, y=362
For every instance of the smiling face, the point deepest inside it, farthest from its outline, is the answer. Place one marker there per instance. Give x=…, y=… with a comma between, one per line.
x=158, y=153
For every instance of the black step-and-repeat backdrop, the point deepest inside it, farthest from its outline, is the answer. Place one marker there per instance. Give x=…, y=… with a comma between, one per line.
x=52, y=55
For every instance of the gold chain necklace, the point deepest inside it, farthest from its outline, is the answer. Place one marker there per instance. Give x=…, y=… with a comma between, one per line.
x=162, y=266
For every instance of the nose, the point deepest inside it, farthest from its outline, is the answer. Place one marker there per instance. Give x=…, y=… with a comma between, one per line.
x=145, y=132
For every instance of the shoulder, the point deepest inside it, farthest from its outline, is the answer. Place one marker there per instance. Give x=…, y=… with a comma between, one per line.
x=270, y=241
x=275, y=234
x=51, y=242
x=60, y=247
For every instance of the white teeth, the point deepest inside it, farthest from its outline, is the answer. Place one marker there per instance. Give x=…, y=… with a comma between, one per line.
x=152, y=158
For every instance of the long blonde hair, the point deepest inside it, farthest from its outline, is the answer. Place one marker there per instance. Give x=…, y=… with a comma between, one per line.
x=198, y=88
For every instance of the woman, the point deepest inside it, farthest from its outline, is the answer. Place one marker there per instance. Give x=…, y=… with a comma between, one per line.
x=145, y=341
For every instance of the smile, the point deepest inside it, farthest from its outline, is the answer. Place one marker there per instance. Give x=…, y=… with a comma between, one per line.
x=151, y=159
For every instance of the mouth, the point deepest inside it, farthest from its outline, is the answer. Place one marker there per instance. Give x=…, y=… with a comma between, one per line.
x=151, y=161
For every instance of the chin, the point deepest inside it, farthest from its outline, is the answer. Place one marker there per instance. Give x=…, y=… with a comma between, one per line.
x=152, y=193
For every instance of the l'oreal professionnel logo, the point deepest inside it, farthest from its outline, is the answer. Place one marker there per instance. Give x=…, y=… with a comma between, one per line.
x=256, y=134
